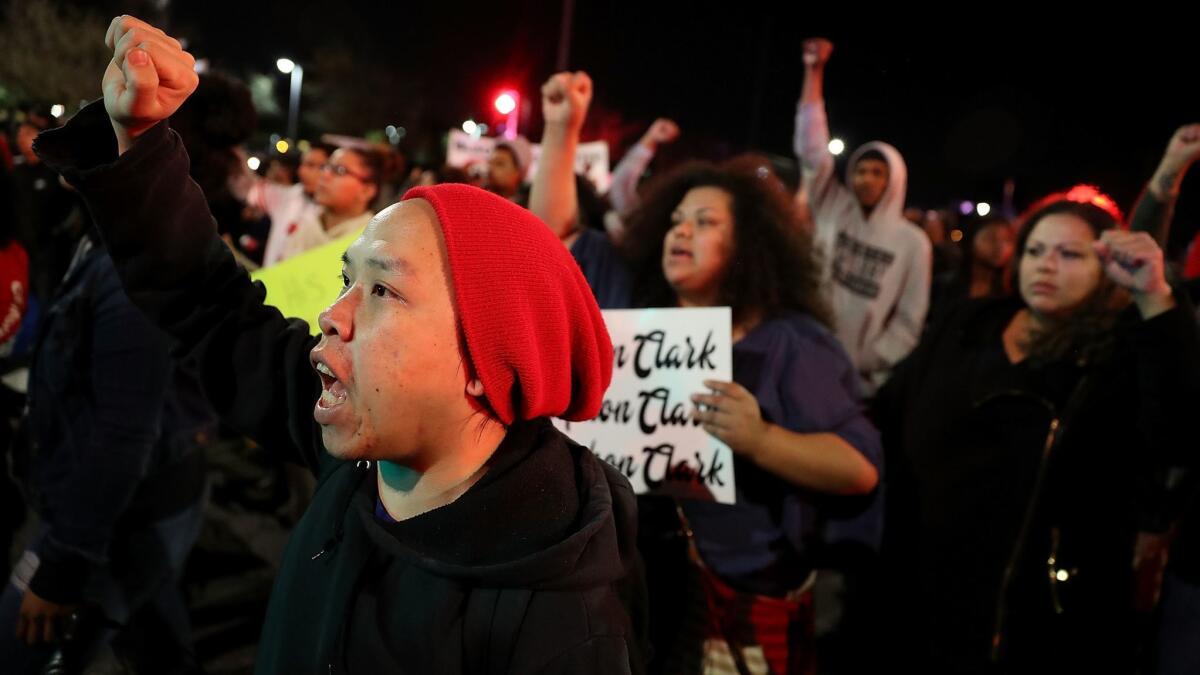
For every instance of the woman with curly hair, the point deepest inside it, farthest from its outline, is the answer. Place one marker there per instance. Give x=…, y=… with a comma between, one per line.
x=712, y=236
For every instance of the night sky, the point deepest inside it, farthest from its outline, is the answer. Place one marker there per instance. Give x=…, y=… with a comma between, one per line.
x=1006, y=92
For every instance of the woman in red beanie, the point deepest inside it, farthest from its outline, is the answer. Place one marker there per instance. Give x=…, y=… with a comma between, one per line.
x=453, y=528
x=806, y=458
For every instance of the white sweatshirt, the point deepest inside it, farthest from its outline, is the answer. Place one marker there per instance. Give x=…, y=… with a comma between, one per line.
x=876, y=269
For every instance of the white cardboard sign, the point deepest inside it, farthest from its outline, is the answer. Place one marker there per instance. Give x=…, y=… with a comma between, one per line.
x=645, y=427
x=591, y=159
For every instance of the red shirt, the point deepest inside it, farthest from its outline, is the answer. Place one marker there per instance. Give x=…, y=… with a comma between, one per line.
x=14, y=289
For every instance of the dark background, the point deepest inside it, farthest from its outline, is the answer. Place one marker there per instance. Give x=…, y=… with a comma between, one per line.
x=971, y=96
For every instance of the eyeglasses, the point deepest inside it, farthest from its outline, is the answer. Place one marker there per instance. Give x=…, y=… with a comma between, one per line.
x=342, y=170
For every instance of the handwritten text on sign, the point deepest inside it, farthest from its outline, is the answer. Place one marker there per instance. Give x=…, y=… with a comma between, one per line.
x=645, y=427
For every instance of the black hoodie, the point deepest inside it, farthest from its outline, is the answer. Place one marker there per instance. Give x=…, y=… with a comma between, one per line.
x=520, y=574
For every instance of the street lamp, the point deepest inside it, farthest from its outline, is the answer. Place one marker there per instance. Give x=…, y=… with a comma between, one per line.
x=290, y=67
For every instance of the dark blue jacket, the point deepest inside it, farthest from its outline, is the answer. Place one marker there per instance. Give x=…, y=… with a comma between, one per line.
x=112, y=425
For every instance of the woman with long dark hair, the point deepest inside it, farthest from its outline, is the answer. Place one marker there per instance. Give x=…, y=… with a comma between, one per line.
x=1020, y=437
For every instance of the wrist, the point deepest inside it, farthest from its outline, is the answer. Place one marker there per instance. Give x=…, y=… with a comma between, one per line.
x=563, y=128
x=759, y=442
x=1165, y=181
x=127, y=135
x=1154, y=302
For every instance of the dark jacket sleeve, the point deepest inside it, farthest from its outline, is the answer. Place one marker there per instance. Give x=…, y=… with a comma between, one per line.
x=1167, y=351
x=252, y=362
x=1153, y=216
x=129, y=371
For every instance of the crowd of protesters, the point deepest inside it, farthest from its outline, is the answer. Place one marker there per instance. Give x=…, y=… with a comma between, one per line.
x=967, y=454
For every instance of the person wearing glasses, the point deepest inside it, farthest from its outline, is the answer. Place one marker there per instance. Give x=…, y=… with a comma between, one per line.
x=347, y=185
x=281, y=203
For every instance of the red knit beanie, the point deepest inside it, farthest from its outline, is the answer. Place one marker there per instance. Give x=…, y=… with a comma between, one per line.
x=534, y=334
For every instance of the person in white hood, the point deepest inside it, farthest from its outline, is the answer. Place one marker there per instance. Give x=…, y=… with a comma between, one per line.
x=876, y=264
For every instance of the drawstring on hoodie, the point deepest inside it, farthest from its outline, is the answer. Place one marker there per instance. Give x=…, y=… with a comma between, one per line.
x=363, y=467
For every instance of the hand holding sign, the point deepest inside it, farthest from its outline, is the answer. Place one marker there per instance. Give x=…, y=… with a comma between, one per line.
x=731, y=414
x=645, y=427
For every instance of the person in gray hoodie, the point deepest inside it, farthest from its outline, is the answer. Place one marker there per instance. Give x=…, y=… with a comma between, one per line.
x=876, y=264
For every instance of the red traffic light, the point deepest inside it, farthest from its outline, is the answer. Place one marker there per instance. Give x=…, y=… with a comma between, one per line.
x=506, y=102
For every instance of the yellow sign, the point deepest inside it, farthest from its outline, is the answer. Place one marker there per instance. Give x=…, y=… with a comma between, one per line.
x=304, y=285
